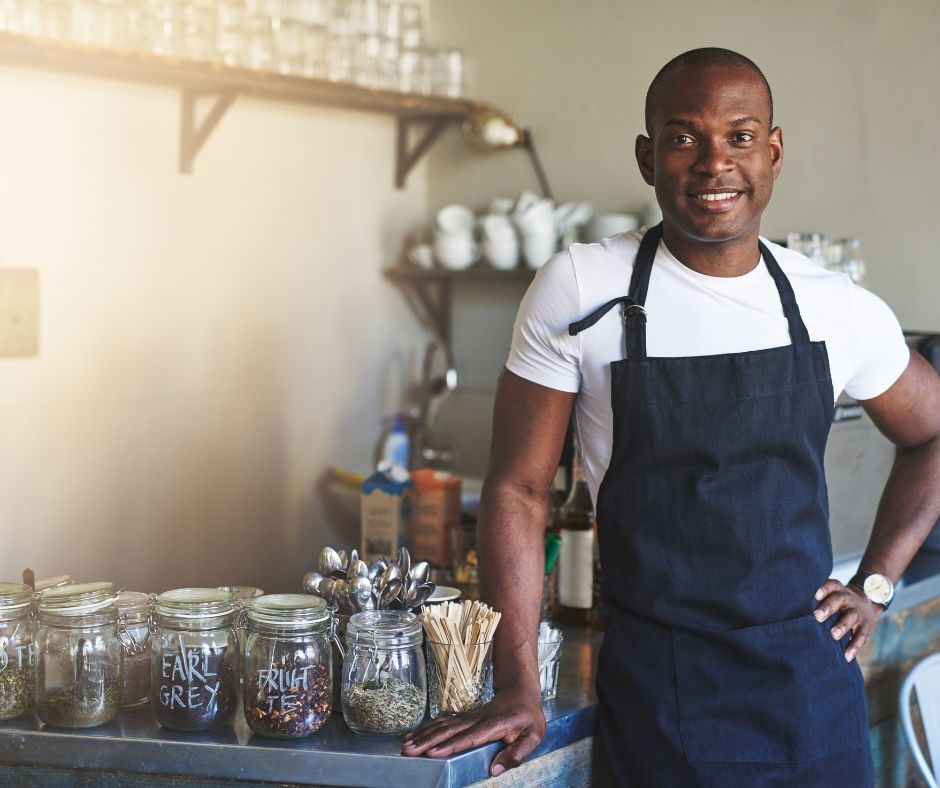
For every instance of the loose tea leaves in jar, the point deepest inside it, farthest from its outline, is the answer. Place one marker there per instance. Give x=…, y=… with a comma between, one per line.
x=71, y=708
x=17, y=688
x=198, y=687
x=287, y=665
x=392, y=706
x=195, y=659
x=17, y=650
x=288, y=699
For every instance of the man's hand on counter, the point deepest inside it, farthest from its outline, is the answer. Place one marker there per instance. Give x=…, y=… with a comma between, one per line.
x=513, y=717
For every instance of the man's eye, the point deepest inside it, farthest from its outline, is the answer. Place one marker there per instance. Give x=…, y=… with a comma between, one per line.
x=682, y=139
x=743, y=136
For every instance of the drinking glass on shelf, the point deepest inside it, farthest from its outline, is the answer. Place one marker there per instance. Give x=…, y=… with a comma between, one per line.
x=259, y=43
x=367, y=64
x=231, y=18
x=314, y=46
x=412, y=26
x=448, y=73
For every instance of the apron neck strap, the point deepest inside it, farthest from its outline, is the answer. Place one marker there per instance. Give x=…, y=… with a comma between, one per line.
x=635, y=319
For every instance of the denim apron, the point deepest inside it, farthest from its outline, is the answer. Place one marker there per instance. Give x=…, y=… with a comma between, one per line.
x=714, y=536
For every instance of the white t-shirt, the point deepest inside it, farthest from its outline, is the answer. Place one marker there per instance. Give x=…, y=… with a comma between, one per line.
x=690, y=314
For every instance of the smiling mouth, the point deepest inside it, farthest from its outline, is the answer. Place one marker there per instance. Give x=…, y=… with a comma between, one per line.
x=717, y=196
x=716, y=200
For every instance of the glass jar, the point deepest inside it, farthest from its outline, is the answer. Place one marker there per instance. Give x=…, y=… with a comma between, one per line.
x=17, y=650
x=384, y=677
x=195, y=659
x=134, y=627
x=80, y=671
x=288, y=663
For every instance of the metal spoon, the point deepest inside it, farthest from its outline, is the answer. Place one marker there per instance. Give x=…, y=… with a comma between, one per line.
x=361, y=591
x=312, y=582
x=421, y=595
x=420, y=572
x=404, y=561
x=358, y=569
x=329, y=561
x=390, y=592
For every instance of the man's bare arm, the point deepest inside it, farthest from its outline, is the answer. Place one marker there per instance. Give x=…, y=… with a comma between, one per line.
x=908, y=414
x=529, y=425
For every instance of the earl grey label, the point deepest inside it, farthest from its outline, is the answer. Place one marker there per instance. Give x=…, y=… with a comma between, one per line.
x=189, y=679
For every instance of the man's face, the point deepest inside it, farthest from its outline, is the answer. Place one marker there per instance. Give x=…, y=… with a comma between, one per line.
x=712, y=156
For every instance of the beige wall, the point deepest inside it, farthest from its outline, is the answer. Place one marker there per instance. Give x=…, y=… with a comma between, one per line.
x=210, y=343
x=855, y=85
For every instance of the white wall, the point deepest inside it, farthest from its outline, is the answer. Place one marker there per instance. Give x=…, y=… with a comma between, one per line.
x=210, y=343
x=855, y=86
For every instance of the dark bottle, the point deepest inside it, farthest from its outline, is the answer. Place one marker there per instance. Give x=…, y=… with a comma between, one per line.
x=556, y=500
x=576, y=560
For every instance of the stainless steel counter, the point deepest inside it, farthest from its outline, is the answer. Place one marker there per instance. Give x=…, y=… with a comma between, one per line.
x=135, y=744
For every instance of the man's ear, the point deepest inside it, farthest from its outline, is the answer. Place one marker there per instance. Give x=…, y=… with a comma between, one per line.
x=776, y=150
x=644, y=157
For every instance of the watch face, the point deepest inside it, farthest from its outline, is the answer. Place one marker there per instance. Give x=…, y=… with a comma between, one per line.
x=878, y=589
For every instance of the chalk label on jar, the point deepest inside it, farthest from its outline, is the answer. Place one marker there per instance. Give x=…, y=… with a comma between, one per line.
x=23, y=656
x=282, y=687
x=190, y=679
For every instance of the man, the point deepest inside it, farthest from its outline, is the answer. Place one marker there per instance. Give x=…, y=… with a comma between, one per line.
x=703, y=364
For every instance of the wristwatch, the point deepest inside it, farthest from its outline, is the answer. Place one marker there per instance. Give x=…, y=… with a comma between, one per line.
x=878, y=588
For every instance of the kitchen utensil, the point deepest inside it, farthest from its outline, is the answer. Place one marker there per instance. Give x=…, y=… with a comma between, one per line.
x=329, y=561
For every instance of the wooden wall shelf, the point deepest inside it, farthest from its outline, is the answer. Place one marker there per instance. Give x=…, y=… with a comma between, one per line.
x=430, y=293
x=426, y=115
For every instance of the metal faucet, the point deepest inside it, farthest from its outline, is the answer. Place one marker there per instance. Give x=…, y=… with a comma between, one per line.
x=433, y=392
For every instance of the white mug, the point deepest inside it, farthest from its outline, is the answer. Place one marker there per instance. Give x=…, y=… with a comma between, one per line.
x=537, y=247
x=501, y=253
x=455, y=219
x=422, y=255
x=456, y=251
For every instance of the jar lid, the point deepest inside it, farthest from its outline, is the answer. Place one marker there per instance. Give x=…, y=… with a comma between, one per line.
x=134, y=604
x=53, y=582
x=15, y=595
x=242, y=593
x=195, y=603
x=288, y=611
x=77, y=600
x=384, y=628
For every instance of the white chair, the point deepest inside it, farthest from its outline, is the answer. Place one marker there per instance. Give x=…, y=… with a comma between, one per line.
x=924, y=680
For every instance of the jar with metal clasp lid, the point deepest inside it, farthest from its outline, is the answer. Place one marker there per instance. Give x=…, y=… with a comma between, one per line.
x=287, y=665
x=135, y=611
x=195, y=659
x=384, y=675
x=17, y=650
x=80, y=669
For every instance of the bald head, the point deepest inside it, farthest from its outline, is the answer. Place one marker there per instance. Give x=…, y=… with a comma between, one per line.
x=702, y=58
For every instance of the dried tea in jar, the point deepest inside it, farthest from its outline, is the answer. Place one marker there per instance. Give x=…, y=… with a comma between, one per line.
x=17, y=650
x=384, y=677
x=80, y=671
x=287, y=665
x=194, y=667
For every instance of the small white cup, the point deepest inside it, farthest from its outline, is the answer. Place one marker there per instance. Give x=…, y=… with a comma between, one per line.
x=456, y=251
x=422, y=255
x=501, y=253
x=455, y=219
x=537, y=247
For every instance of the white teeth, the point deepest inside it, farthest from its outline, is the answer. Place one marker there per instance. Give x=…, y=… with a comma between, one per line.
x=717, y=197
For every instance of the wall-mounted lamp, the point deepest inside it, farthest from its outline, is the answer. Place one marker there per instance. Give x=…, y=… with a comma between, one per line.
x=488, y=131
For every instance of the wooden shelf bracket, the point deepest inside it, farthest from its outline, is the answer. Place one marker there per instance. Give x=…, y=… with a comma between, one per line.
x=193, y=135
x=405, y=159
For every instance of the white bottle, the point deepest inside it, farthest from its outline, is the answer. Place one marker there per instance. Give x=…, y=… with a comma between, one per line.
x=397, y=446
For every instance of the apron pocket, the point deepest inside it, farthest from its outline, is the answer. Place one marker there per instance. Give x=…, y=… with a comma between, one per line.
x=776, y=693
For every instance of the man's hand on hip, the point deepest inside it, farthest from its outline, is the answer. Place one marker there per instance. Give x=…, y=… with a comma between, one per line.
x=856, y=613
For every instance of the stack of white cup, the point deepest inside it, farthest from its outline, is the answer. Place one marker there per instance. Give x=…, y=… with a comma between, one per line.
x=535, y=219
x=454, y=245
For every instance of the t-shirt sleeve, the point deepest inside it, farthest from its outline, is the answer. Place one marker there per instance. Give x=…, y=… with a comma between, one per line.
x=542, y=351
x=881, y=351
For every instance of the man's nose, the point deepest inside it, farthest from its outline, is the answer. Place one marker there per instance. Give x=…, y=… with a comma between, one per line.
x=713, y=158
